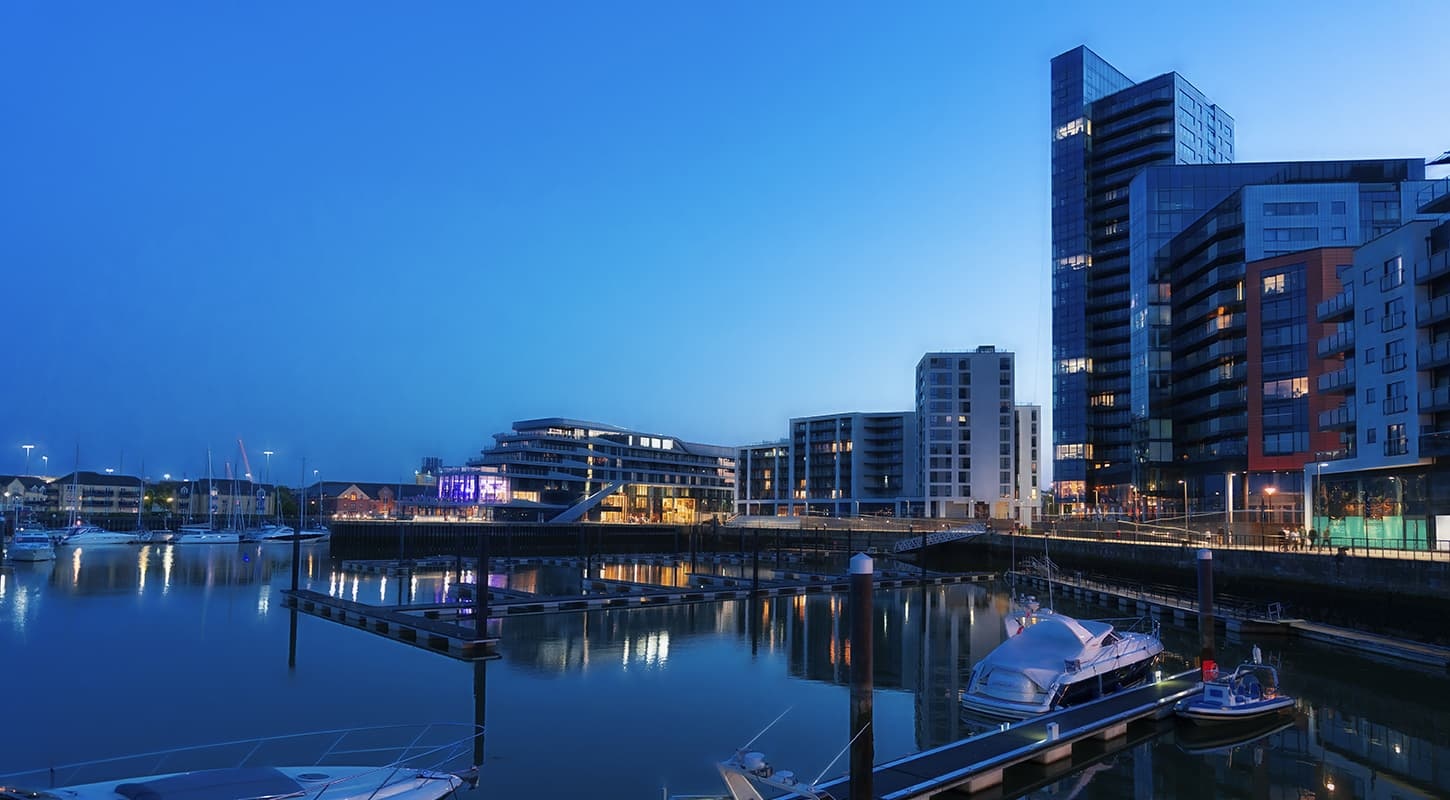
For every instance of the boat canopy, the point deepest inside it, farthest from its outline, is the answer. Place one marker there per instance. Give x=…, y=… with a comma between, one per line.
x=213, y=784
x=1043, y=651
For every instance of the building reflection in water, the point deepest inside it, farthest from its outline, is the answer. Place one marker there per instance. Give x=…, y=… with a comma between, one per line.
x=1372, y=730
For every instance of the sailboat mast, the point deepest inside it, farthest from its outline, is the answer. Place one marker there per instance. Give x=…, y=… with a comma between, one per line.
x=210, y=494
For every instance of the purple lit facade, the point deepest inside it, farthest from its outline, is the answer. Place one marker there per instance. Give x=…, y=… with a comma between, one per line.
x=473, y=488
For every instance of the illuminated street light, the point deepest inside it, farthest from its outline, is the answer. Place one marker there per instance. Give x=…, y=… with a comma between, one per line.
x=27, y=448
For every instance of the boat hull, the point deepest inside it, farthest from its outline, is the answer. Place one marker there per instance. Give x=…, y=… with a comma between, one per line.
x=1206, y=714
x=208, y=538
x=1074, y=693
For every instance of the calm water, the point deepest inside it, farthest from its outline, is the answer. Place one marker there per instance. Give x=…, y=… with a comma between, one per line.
x=109, y=651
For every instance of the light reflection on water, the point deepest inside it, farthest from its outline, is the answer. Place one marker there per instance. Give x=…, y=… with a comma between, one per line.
x=636, y=699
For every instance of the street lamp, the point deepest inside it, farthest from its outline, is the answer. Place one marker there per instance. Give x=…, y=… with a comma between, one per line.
x=45, y=464
x=1185, y=504
x=268, y=454
x=27, y=448
x=1269, y=495
x=1318, y=484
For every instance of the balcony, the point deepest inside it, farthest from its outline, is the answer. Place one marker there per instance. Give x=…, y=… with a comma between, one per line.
x=1437, y=399
x=1341, y=342
x=1433, y=311
x=1336, y=418
x=1395, y=405
x=1435, y=443
x=1340, y=380
x=1435, y=198
x=1434, y=354
x=1337, y=308
x=1397, y=447
x=1335, y=455
x=1434, y=267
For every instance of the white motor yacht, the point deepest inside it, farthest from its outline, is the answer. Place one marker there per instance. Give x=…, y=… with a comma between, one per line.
x=192, y=534
x=31, y=546
x=87, y=535
x=285, y=534
x=1057, y=662
x=418, y=772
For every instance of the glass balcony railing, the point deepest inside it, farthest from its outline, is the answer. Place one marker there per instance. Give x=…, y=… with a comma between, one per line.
x=1340, y=306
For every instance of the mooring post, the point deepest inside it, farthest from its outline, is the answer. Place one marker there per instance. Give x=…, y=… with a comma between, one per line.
x=1205, y=614
x=480, y=710
x=863, y=745
x=755, y=563
x=480, y=586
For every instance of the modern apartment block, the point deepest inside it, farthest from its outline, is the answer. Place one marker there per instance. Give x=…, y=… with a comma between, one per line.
x=1385, y=481
x=763, y=479
x=566, y=470
x=965, y=420
x=1197, y=410
x=1026, y=486
x=841, y=465
x=1105, y=129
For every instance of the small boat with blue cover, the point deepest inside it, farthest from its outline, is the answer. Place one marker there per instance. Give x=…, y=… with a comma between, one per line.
x=1250, y=692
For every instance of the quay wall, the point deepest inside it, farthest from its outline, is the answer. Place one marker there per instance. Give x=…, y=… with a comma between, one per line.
x=1393, y=595
x=408, y=539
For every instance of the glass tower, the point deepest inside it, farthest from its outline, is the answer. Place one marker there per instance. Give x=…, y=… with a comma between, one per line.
x=1105, y=130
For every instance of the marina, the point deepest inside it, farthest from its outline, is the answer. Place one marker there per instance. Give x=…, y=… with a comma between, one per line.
x=563, y=677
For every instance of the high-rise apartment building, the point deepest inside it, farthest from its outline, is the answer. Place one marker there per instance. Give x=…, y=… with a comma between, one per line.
x=964, y=408
x=1105, y=129
x=1027, y=449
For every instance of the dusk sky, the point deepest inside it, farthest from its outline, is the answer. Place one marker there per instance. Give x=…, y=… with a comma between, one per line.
x=364, y=233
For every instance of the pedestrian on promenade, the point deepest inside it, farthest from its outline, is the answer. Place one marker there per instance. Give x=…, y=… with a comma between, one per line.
x=1313, y=539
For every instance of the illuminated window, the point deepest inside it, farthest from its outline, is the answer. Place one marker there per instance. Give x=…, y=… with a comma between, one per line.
x=1274, y=284
x=1077, y=126
x=1069, y=366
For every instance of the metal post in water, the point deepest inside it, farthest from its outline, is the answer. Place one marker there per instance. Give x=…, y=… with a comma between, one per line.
x=755, y=564
x=1205, y=614
x=863, y=741
x=480, y=709
x=480, y=586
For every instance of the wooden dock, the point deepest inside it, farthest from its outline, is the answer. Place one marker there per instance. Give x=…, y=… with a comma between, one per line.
x=980, y=762
x=434, y=635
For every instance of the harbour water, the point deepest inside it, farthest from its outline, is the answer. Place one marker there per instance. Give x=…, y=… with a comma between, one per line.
x=115, y=650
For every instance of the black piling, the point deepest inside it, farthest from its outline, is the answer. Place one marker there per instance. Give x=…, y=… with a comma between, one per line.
x=755, y=564
x=863, y=745
x=480, y=709
x=480, y=586
x=1205, y=613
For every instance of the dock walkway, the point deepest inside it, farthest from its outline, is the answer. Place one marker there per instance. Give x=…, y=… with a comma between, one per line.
x=978, y=762
x=394, y=622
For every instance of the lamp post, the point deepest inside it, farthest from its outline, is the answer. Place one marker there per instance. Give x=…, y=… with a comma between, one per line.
x=268, y=454
x=45, y=464
x=1269, y=499
x=1185, y=504
x=1318, y=484
x=27, y=448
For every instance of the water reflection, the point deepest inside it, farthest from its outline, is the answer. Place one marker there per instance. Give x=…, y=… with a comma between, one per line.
x=1370, y=729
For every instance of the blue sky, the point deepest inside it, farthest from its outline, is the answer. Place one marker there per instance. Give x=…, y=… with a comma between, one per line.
x=364, y=232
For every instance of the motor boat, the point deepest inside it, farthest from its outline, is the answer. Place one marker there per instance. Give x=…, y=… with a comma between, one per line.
x=31, y=546
x=1057, y=662
x=1250, y=692
x=284, y=534
x=87, y=535
x=418, y=772
x=203, y=535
